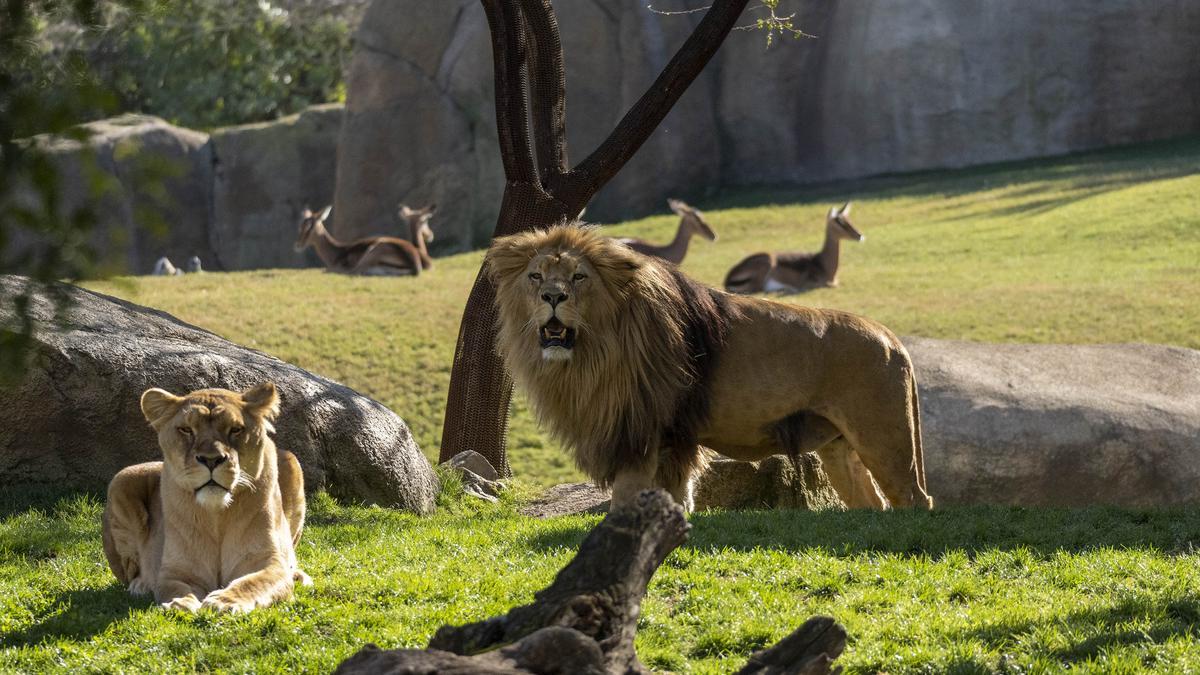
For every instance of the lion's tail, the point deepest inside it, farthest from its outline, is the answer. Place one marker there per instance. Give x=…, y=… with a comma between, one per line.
x=919, y=450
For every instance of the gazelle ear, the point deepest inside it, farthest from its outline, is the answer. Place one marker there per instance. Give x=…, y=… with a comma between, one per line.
x=845, y=210
x=405, y=211
x=325, y=213
x=306, y=213
x=158, y=404
x=677, y=206
x=431, y=209
x=833, y=213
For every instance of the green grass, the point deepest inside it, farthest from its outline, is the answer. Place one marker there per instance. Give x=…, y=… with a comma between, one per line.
x=1091, y=248
x=963, y=590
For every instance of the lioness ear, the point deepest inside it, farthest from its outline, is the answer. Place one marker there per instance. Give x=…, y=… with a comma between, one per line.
x=158, y=404
x=262, y=400
x=509, y=256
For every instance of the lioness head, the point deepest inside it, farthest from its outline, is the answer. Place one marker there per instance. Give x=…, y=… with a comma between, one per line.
x=212, y=439
x=556, y=285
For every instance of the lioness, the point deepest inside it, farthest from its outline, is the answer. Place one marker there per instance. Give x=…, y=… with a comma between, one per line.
x=213, y=525
x=634, y=366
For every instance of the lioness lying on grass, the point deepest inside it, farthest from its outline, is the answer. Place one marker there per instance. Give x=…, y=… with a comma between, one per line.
x=215, y=523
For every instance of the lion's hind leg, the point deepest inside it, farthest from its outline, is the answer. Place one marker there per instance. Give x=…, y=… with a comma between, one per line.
x=887, y=438
x=806, y=431
x=130, y=526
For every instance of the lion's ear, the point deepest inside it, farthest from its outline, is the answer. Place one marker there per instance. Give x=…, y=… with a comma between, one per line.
x=158, y=404
x=262, y=401
x=509, y=256
x=617, y=263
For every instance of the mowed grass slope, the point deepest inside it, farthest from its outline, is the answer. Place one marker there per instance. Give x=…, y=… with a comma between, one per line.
x=1103, y=247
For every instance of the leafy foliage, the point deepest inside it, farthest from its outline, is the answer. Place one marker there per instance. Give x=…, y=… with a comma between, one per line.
x=204, y=63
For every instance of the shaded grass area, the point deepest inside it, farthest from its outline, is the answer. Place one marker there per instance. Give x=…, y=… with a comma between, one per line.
x=1101, y=247
x=957, y=590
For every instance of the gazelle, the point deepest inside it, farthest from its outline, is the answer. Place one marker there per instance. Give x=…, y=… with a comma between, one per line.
x=795, y=272
x=370, y=255
x=419, y=230
x=691, y=222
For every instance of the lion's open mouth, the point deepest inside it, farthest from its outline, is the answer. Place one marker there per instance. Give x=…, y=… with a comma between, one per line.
x=555, y=334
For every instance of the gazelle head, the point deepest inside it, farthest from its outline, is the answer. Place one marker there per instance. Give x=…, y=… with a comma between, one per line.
x=312, y=225
x=692, y=219
x=838, y=223
x=418, y=221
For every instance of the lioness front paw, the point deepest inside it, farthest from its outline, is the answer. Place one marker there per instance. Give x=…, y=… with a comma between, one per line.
x=140, y=586
x=220, y=601
x=187, y=603
x=299, y=577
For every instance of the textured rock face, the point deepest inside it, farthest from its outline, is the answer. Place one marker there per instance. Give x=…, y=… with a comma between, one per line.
x=74, y=420
x=233, y=198
x=265, y=175
x=773, y=483
x=136, y=222
x=1059, y=425
x=886, y=86
x=421, y=125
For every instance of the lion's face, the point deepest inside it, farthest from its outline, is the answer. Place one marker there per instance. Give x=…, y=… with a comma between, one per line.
x=212, y=439
x=556, y=286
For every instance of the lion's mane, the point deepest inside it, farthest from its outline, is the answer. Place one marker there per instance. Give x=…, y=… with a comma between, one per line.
x=638, y=379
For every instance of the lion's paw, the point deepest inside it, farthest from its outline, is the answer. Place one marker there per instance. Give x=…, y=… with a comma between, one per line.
x=187, y=603
x=140, y=586
x=221, y=601
x=299, y=577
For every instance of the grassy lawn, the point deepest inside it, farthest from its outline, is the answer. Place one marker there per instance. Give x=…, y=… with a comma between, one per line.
x=962, y=590
x=1091, y=248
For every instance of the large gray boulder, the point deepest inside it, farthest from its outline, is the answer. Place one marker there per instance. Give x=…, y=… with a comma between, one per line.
x=74, y=420
x=265, y=175
x=885, y=87
x=1059, y=425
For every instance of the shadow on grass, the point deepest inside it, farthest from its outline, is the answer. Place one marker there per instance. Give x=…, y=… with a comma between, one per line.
x=1096, y=630
x=967, y=529
x=1091, y=172
x=77, y=615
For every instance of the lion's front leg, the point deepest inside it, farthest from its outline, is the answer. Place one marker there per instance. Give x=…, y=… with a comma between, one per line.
x=257, y=589
x=131, y=507
x=628, y=483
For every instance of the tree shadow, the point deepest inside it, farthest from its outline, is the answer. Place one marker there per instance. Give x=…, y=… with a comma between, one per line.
x=1090, y=172
x=77, y=615
x=1098, y=627
x=972, y=530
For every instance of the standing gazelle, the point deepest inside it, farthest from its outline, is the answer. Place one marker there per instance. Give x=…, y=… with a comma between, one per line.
x=795, y=272
x=691, y=222
x=419, y=231
x=370, y=255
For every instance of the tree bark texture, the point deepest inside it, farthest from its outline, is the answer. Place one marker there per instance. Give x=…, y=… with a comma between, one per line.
x=541, y=190
x=586, y=620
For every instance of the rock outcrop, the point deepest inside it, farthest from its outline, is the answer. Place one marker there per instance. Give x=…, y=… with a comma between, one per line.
x=884, y=87
x=232, y=198
x=73, y=420
x=1059, y=425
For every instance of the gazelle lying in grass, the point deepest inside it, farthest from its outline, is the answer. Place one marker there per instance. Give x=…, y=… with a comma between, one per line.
x=795, y=272
x=370, y=255
x=691, y=222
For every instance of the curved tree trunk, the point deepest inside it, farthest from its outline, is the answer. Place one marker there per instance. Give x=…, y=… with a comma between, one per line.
x=540, y=190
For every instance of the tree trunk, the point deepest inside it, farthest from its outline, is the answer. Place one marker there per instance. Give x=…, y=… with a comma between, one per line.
x=586, y=621
x=540, y=190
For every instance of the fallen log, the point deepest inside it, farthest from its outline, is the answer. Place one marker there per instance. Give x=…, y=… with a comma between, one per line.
x=586, y=620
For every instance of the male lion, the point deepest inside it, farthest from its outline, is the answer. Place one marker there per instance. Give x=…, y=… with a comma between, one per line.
x=213, y=525
x=634, y=366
